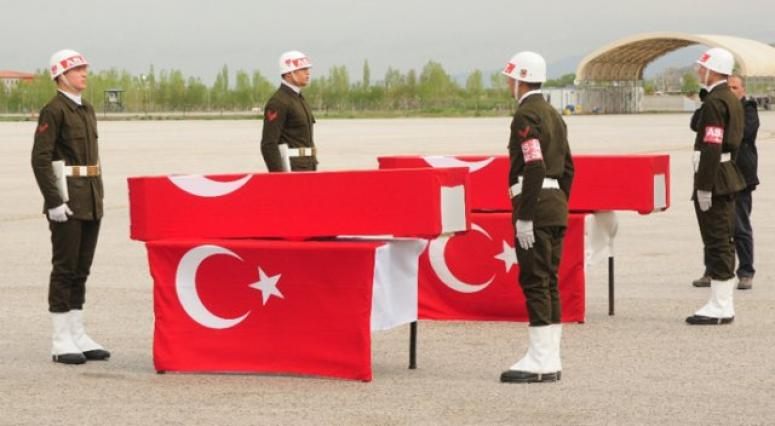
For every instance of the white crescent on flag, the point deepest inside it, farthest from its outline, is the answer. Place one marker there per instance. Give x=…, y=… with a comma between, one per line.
x=204, y=187
x=439, y=265
x=185, y=286
x=447, y=161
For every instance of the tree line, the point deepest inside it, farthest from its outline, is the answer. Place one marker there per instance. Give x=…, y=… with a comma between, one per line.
x=431, y=89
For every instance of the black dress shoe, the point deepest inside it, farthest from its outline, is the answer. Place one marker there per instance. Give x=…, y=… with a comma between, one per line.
x=69, y=358
x=703, y=320
x=515, y=376
x=703, y=281
x=97, y=355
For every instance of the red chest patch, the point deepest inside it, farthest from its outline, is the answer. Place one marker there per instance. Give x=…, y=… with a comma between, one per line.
x=271, y=115
x=531, y=150
x=523, y=133
x=713, y=134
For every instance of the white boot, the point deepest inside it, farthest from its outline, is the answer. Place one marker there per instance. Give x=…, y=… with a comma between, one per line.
x=63, y=347
x=720, y=308
x=536, y=365
x=91, y=349
x=556, y=363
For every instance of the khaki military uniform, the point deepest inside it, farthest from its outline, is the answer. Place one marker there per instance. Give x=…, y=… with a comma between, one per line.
x=68, y=131
x=542, y=169
x=719, y=134
x=288, y=120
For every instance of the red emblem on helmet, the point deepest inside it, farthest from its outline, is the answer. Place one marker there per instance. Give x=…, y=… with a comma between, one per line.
x=509, y=68
x=704, y=58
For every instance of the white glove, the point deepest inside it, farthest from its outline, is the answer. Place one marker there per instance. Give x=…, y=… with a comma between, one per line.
x=704, y=200
x=525, y=234
x=59, y=214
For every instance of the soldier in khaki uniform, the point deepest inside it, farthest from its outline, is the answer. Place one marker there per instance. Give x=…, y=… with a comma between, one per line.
x=717, y=180
x=286, y=143
x=67, y=134
x=540, y=181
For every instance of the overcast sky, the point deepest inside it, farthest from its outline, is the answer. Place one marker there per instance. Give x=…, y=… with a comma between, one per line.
x=199, y=37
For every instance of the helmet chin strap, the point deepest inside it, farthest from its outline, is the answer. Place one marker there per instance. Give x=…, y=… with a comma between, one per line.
x=705, y=79
x=516, y=89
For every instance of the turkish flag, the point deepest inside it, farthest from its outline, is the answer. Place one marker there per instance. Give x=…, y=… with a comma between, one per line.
x=601, y=182
x=404, y=203
x=278, y=306
x=473, y=276
x=489, y=176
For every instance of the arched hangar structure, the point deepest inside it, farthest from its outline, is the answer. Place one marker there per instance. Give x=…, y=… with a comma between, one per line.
x=610, y=79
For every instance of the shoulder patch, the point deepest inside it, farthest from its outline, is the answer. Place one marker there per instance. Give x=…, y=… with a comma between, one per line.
x=523, y=133
x=42, y=128
x=271, y=115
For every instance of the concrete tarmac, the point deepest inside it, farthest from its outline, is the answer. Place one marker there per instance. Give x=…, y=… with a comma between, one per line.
x=642, y=366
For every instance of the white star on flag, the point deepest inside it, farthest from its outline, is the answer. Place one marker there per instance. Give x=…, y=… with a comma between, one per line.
x=508, y=256
x=267, y=285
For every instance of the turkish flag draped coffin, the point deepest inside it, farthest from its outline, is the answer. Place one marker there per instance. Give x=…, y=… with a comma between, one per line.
x=402, y=203
x=278, y=306
x=473, y=276
x=602, y=182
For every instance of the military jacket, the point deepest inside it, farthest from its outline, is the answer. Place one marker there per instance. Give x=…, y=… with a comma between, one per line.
x=538, y=149
x=68, y=131
x=287, y=119
x=719, y=130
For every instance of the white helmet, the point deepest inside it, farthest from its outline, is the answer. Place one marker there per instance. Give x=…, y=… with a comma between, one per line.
x=65, y=60
x=293, y=60
x=529, y=67
x=719, y=60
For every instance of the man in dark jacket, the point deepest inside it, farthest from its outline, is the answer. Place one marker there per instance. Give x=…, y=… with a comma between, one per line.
x=286, y=142
x=717, y=180
x=540, y=179
x=66, y=136
x=747, y=161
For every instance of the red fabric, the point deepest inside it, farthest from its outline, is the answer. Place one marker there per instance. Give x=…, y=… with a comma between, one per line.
x=320, y=325
x=714, y=135
x=404, y=203
x=531, y=150
x=488, y=186
x=619, y=182
x=601, y=182
x=470, y=258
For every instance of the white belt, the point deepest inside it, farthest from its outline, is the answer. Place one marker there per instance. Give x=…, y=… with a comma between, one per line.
x=548, y=183
x=725, y=156
x=80, y=171
x=302, y=152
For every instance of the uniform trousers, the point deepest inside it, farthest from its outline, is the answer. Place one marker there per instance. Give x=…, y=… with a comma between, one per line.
x=73, y=245
x=717, y=227
x=744, y=234
x=538, y=268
